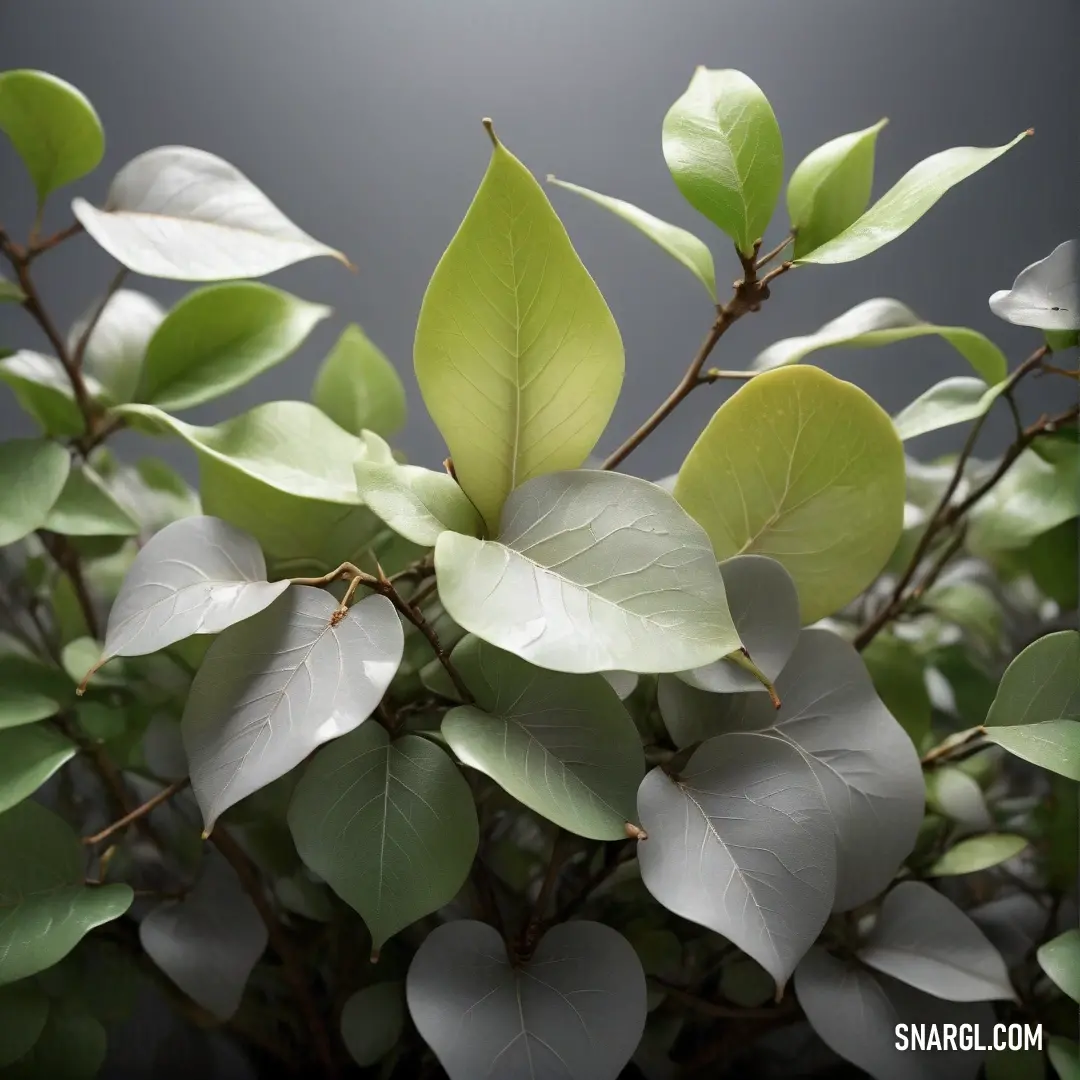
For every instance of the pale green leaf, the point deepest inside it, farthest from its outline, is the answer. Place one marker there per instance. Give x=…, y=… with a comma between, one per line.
x=682, y=246
x=85, y=507
x=831, y=186
x=220, y=337
x=1060, y=959
x=52, y=126
x=20, y=706
x=32, y=475
x=883, y=321
x=372, y=1021
x=723, y=147
x=1041, y=684
x=44, y=391
x=45, y=910
x=389, y=825
x=906, y=201
x=1052, y=744
x=29, y=755
x=787, y=457
x=977, y=853
x=10, y=293
x=564, y=745
x=593, y=571
x=517, y=355
x=952, y=401
x=153, y=493
x=358, y=387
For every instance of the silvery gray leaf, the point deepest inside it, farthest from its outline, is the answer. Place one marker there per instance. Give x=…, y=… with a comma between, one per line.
x=277, y=686
x=925, y=940
x=865, y=762
x=764, y=604
x=179, y=213
x=742, y=842
x=1013, y=924
x=574, y=1011
x=209, y=941
x=198, y=575
x=1045, y=294
x=592, y=571
x=856, y=1013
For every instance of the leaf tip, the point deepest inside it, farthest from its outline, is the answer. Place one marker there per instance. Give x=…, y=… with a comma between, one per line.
x=489, y=127
x=635, y=832
x=1029, y=131
x=375, y=954
x=205, y=834
x=779, y=995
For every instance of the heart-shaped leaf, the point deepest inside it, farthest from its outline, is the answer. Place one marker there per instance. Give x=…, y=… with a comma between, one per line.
x=831, y=186
x=277, y=686
x=44, y=391
x=209, y=941
x=575, y=1009
x=723, y=147
x=862, y=758
x=115, y=349
x=741, y=842
x=372, y=1021
x=832, y=993
x=85, y=507
x=592, y=571
x=518, y=358
x=563, y=745
x=883, y=321
x=197, y=576
x=922, y=938
x=32, y=475
x=682, y=246
x=358, y=388
x=977, y=853
x=824, y=452
x=52, y=126
x=24, y=1009
x=906, y=201
x=29, y=755
x=220, y=337
x=952, y=401
x=764, y=605
x=390, y=826
x=45, y=910
x=1045, y=294
x=179, y=213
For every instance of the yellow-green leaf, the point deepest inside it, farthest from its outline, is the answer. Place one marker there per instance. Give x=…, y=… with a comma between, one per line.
x=806, y=469
x=518, y=357
x=977, y=853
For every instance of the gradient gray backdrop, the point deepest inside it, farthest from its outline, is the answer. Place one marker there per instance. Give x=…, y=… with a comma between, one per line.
x=362, y=121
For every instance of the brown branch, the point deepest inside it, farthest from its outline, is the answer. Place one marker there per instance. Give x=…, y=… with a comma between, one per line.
x=280, y=942
x=770, y=255
x=80, y=346
x=531, y=934
x=67, y=558
x=956, y=742
x=39, y=247
x=161, y=797
x=750, y=293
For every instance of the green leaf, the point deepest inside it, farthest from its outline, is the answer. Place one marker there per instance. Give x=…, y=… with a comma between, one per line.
x=153, y=493
x=682, y=246
x=44, y=391
x=358, y=387
x=1060, y=341
x=220, y=337
x=973, y=607
x=32, y=475
x=117, y=345
x=23, y=1012
x=82, y=656
x=723, y=147
x=45, y=910
x=287, y=445
x=416, y=503
x=86, y=508
x=952, y=401
x=1034, y=497
x=1060, y=959
x=179, y=213
x=10, y=293
x=787, y=457
x=29, y=755
x=390, y=826
x=518, y=357
x=897, y=672
x=1052, y=744
x=52, y=126
x=1041, y=684
x=72, y=1046
x=1015, y=1065
x=906, y=201
x=1053, y=560
x=564, y=745
x=954, y=794
x=1064, y=1055
x=830, y=187
x=372, y=1021
x=20, y=706
x=593, y=571
x=883, y=321
x=977, y=853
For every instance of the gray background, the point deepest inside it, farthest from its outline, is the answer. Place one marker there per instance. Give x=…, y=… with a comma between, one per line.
x=361, y=120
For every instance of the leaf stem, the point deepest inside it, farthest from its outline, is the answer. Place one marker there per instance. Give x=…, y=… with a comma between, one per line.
x=957, y=741
x=741, y=658
x=151, y=804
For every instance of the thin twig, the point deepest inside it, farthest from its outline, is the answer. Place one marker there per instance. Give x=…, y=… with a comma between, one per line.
x=39, y=247
x=161, y=797
x=293, y=965
x=778, y=250
x=955, y=742
x=531, y=933
x=67, y=558
x=80, y=346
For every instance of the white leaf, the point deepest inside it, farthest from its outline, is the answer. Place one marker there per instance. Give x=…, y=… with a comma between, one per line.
x=1046, y=294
